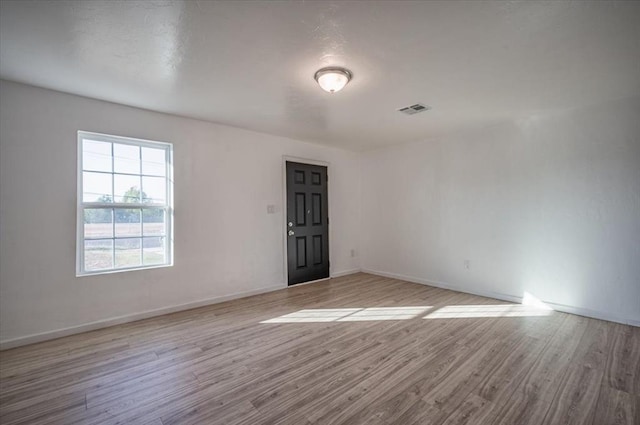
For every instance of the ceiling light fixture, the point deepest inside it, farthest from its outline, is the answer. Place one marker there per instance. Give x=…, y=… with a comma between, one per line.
x=332, y=79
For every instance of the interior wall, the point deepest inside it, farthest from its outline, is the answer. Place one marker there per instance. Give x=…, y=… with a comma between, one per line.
x=225, y=242
x=549, y=205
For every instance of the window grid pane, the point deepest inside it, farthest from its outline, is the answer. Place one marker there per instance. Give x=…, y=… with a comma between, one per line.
x=154, y=162
x=126, y=188
x=115, y=237
x=126, y=158
x=98, y=254
x=98, y=223
x=128, y=252
x=153, y=250
x=153, y=222
x=97, y=187
x=96, y=156
x=128, y=222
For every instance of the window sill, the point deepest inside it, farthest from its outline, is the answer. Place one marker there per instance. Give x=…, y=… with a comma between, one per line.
x=124, y=269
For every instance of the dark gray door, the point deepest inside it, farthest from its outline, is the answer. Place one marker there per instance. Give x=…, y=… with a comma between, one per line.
x=307, y=223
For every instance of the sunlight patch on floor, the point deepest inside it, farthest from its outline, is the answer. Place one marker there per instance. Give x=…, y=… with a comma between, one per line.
x=350, y=314
x=498, y=310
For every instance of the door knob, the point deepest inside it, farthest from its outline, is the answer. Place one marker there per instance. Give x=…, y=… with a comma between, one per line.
x=291, y=233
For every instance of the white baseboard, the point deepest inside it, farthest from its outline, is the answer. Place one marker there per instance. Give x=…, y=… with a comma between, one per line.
x=45, y=336
x=58, y=333
x=345, y=273
x=507, y=297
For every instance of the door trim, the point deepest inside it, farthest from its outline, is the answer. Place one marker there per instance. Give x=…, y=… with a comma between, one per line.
x=284, y=229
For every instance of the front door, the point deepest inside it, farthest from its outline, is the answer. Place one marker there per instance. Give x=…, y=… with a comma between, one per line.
x=307, y=223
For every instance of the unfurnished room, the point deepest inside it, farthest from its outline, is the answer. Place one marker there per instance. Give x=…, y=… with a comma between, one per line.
x=319, y=212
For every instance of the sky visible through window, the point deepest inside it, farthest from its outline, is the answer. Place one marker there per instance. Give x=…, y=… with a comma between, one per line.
x=133, y=166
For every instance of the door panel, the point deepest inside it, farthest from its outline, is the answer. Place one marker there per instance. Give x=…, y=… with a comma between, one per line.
x=307, y=223
x=316, y=207
x=317, y=250
x=301, y=207
x=301, y=252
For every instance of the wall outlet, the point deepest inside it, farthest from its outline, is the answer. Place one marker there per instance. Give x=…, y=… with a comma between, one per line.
x=271, y=209
x=353, y=252
x=467, y=264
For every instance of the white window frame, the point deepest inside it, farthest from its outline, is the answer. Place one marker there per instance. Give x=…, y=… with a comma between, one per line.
x=81, y=205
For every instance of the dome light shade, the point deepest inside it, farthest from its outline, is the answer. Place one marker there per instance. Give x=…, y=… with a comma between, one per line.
x=332, y=79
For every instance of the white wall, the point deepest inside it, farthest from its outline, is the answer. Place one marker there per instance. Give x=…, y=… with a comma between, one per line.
x=225, y=242
x=549, y=205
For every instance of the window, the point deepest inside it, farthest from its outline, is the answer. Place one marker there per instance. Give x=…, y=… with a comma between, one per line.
x=124, y=204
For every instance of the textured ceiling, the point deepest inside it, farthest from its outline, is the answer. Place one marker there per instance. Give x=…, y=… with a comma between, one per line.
x=251, y=64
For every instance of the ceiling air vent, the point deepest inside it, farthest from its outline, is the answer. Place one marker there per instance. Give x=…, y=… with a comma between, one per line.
x=414, y=109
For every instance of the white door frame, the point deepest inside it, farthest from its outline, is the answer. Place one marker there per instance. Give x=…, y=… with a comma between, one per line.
x=285, y=228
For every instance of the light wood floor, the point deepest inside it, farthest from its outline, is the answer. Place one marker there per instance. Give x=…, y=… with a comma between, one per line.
x=343, y=359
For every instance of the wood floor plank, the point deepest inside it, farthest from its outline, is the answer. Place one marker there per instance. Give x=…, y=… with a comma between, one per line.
x=575, y=401
x=440, y=353
x=615, y=407
x=577, y=395
x=335, y=352
x=474, y=409
x=623, y=368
